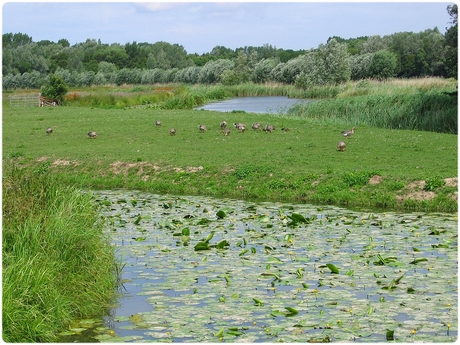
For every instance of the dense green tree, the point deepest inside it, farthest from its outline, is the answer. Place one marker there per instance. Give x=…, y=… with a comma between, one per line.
x=451, y=57
x=213, y=70
x=383, y=65
x=262, y=70
x=55, y=88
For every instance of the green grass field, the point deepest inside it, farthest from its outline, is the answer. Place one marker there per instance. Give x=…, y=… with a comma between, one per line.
x=300, y=165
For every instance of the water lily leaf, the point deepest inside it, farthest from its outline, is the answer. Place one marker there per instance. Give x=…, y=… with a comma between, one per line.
x=201, y=246
x=139, y=239
x=220, y=333
x=258, y=302
x=292, y=311
x=203, y=221
x=210, y=236
x=333, y=268
x=390, y=334
x=298, y=218
x=186, y=232
x=221, y=214
x=137, y=221
x=418, y=260
x=222, y=244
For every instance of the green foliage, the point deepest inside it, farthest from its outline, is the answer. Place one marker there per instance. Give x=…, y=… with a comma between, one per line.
x=57, y=264
x=433, y=183
x=382, y=65
x=55, y=88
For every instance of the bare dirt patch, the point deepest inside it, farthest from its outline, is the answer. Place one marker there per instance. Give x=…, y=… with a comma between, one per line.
x=123, y=168
x=451, y=181
x=376, y=179
x=63, y=162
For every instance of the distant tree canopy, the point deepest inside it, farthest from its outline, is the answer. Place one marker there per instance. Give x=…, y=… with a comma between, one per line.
x=27, y=64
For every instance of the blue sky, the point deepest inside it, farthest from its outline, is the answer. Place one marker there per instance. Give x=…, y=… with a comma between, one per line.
x=200, y=26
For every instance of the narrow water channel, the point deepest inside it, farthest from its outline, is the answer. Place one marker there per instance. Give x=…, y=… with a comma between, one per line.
x=199, y=269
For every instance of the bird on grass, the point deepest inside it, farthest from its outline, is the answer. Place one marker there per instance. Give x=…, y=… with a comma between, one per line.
x=92, y=135
x=269, y=128
x=157, y=123
x=49, y=130
x=347, y=134
x=202, y=128
x=341, y=146
x=172, y=131
x=256, y=126
x=223, y=124
x=226, y=132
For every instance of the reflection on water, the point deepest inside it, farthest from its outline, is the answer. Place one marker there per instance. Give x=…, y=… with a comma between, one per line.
x=259, y=105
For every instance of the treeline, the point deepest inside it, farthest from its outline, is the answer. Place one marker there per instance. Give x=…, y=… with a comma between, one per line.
x=26, y=64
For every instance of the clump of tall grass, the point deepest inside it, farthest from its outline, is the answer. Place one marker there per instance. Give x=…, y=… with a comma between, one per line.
x=428, y=111
x=57, y=264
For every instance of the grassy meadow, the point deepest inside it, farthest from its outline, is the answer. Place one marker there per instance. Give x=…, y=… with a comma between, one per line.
x=300, y=165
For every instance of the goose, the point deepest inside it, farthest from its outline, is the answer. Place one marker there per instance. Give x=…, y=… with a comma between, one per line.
x=157, y=123
x=92, y=135
x=341, y=146
x=347, y=134
x=226, y=132
x=285, y=129
x=202, y=128
x=49, y=130
x=223, y=124
x=269, y=128
x=172, y=131
x=256, y=126
x=241, y=127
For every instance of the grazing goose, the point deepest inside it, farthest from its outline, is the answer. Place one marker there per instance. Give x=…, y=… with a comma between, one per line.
x=92, y=135
x=49, y=130
x=223, y=125
x=341, y=146
x=202, y=128
x=285, y=129
x=256, y=126
x=226, y=132
x=347, y=134
x=172, y=131
x=241, y=127
x=269, y=128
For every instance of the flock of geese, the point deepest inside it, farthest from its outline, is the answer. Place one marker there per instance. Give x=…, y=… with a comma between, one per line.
x=241, y=127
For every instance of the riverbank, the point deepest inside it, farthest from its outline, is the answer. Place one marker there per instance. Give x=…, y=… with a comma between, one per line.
x=57, y=264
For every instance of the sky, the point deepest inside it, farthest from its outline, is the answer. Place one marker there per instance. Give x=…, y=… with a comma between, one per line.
x=200, y=26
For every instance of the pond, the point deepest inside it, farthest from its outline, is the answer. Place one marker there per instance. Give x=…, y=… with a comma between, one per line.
x=260, y=105
x=200, y=269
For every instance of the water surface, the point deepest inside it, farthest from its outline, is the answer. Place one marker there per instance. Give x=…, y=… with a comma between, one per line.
x=260, y=105
x=272, y=272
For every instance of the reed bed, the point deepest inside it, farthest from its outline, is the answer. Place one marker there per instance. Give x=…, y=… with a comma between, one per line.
x=57, y=264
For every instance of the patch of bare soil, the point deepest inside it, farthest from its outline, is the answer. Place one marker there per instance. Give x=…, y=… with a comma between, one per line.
x=376, y=179
x=123, y=168
x=63, y=162
x=415, y=190
x=451, y=181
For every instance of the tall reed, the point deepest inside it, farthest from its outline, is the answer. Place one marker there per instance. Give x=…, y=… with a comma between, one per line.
x=427, y=111
x=57, y=263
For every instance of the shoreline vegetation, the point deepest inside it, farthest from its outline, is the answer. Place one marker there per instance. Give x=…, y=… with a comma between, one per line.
x=403, y=157
x=57, y=263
